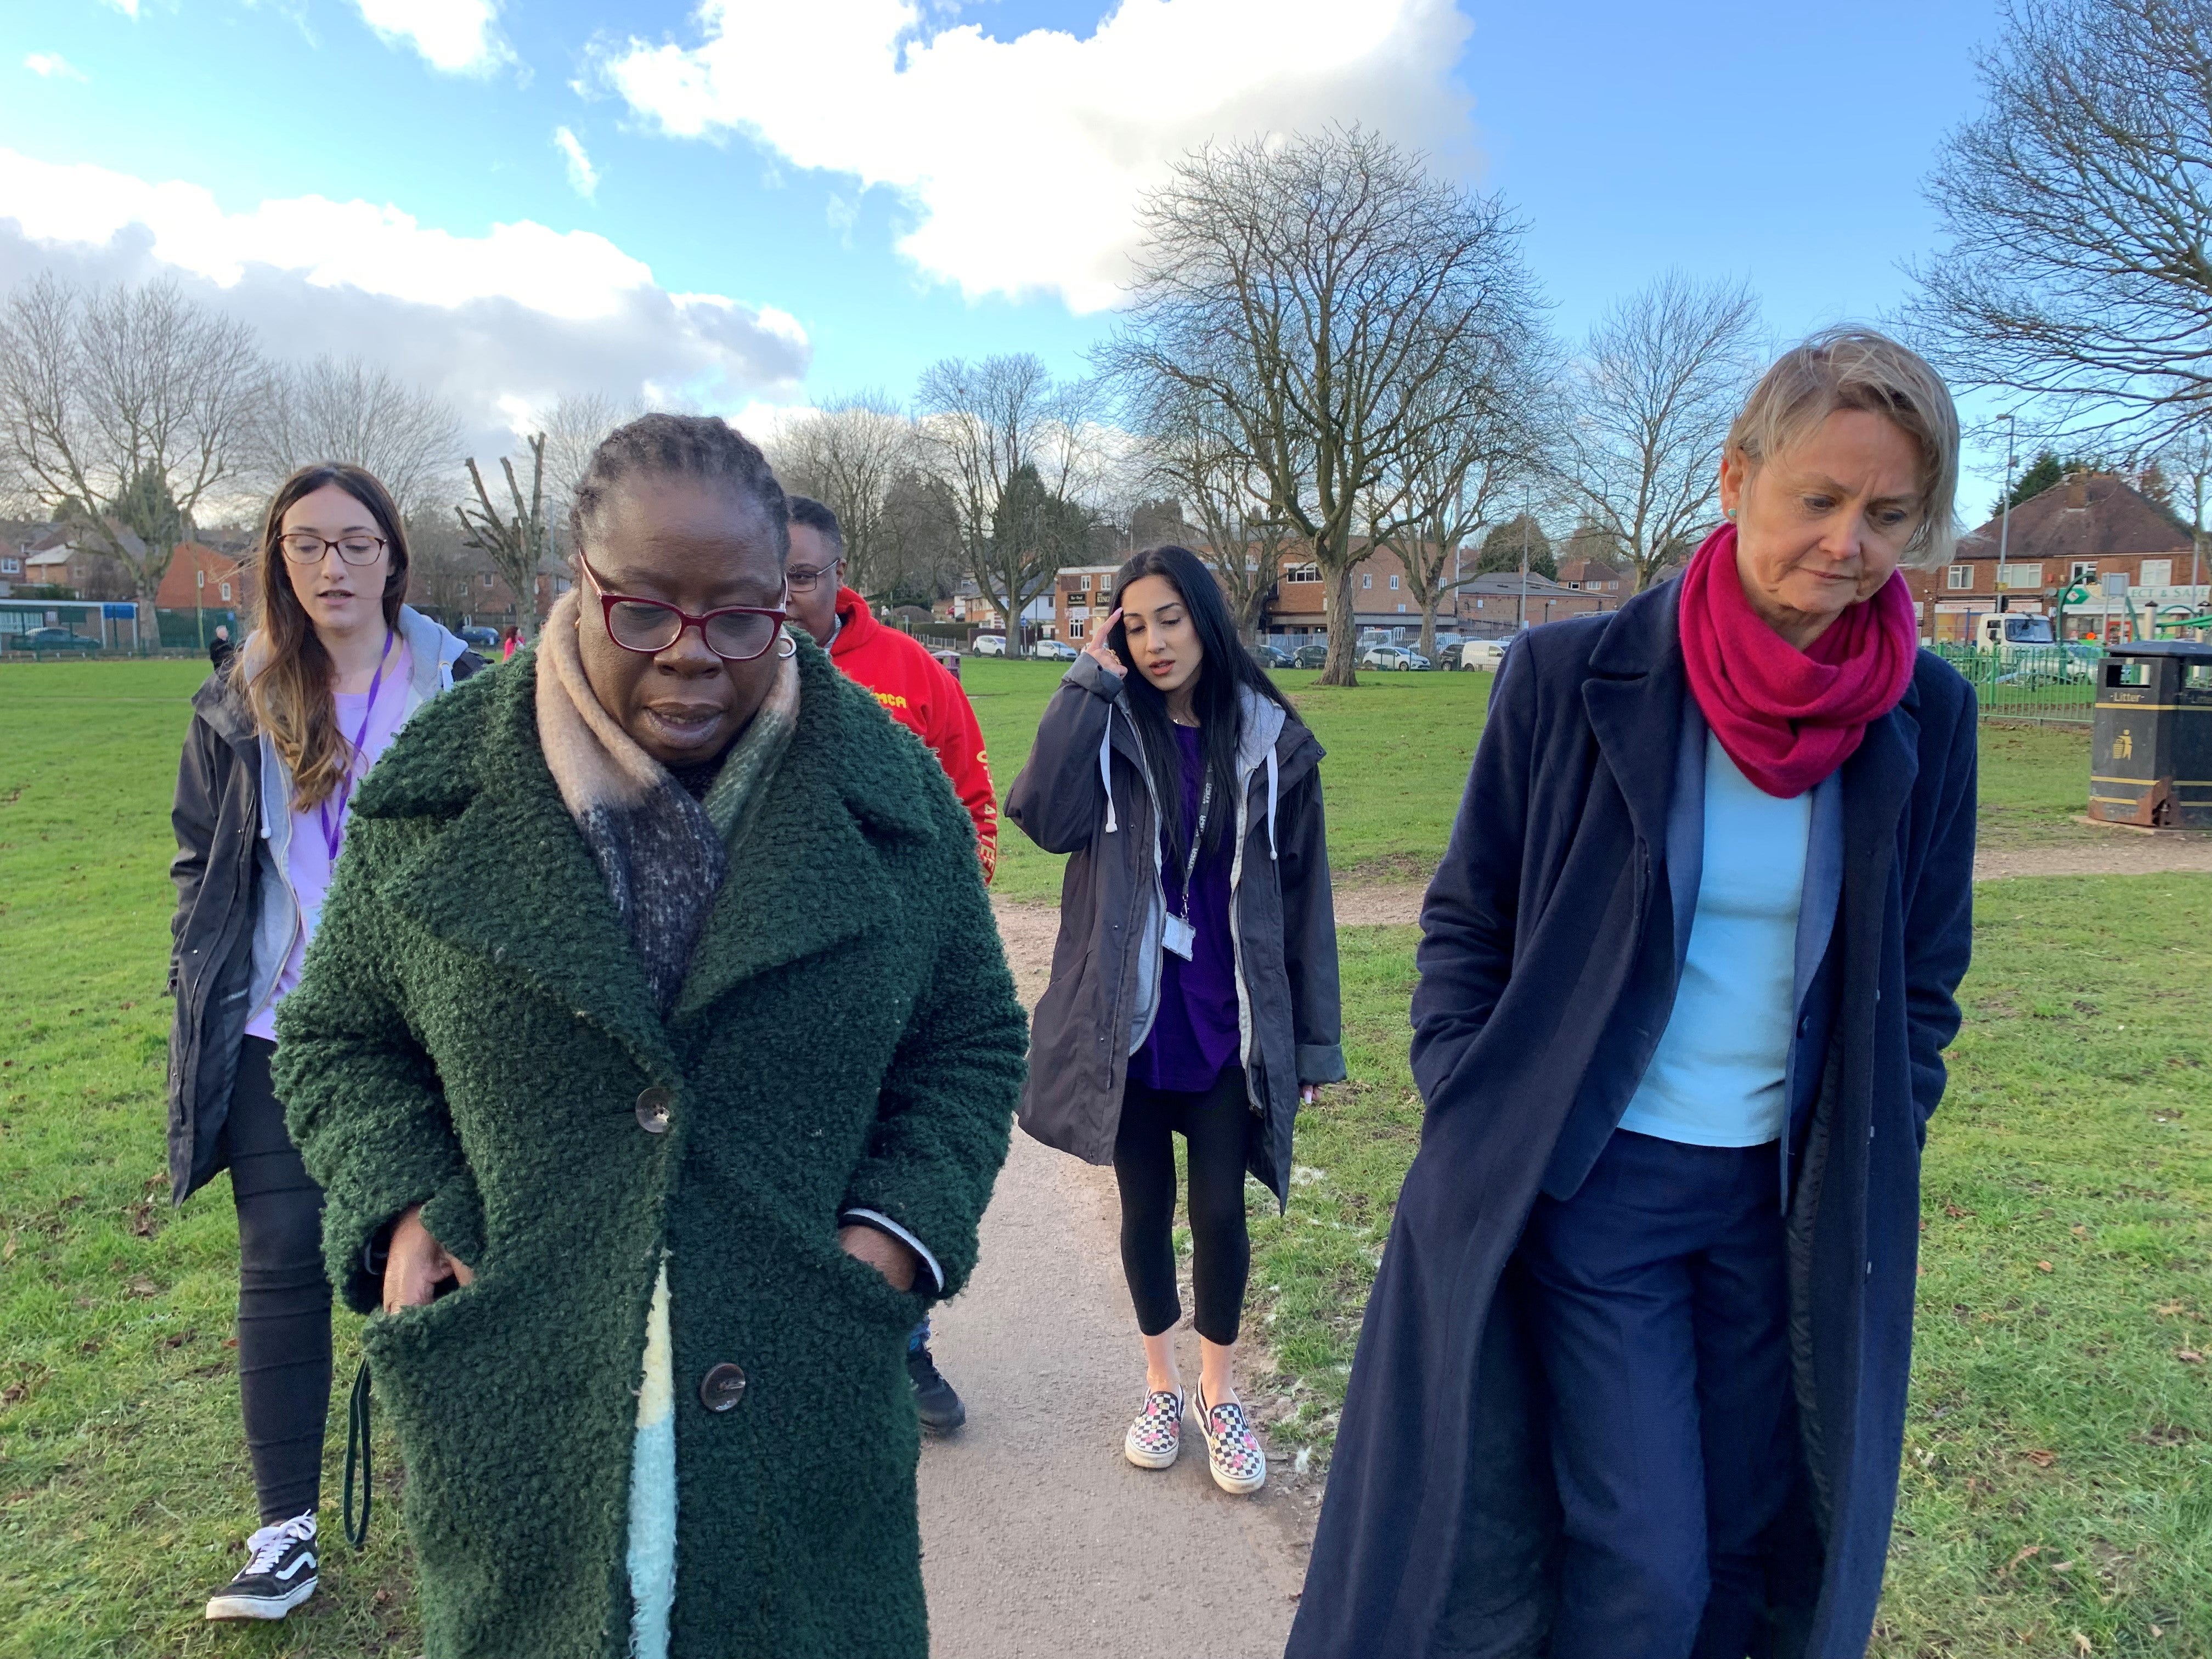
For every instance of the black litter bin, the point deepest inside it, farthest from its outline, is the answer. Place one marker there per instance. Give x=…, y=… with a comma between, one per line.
x=2151, y=762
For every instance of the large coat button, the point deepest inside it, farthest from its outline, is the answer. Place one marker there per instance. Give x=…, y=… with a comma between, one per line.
x=722, y=1389
x=652, y=1107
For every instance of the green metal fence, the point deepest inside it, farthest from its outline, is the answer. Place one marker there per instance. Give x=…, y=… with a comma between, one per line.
x=2039, y=685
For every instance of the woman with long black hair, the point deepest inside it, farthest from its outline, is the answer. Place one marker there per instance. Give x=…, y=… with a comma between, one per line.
x=1194, y=986
x=281, y=732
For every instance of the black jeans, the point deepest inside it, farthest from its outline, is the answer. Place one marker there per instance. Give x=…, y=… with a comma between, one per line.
x=1215, y=1125
x=283, y=1295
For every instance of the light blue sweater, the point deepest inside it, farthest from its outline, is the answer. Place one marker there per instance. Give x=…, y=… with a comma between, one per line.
x=1720, y=1075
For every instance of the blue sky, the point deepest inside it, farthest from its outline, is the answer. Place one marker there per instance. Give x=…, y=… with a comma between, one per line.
x=852, y=221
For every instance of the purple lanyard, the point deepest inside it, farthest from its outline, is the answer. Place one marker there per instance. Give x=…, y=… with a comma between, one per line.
x=334, y=825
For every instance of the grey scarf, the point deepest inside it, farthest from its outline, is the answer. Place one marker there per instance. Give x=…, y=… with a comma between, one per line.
x=662, y=854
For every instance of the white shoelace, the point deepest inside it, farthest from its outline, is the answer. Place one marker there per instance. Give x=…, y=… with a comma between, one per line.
x=267, y=1546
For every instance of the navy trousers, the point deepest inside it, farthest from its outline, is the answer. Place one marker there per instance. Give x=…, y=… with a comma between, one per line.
x=1659, y=1307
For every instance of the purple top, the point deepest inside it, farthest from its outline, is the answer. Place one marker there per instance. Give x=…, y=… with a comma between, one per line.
x=309, y=862
x=1194, y=1035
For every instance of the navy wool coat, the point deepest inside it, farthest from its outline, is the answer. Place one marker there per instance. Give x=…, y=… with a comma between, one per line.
x=1547, y=974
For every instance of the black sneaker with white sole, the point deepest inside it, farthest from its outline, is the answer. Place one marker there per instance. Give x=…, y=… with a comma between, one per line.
x=936, y=1400
x=278, y=1575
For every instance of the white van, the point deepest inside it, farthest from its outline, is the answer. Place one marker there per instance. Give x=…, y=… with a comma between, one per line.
x=1482, y=653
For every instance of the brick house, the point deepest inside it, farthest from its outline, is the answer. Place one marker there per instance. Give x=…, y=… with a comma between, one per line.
x=1594, y=576
x=205, y=577
x=2082, y=530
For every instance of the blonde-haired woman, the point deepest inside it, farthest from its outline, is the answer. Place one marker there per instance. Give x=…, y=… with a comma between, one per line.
x=280, y=733
x=1632, y=1379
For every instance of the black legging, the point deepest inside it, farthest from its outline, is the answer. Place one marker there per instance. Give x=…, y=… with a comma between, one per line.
x=283, y=1296
x=1214, y=1125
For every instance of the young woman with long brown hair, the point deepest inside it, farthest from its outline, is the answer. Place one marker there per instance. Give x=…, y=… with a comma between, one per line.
x=281, y=734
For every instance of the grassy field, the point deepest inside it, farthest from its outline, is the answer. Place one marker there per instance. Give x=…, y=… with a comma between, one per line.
x=124, y=1489
x=2058, y=1485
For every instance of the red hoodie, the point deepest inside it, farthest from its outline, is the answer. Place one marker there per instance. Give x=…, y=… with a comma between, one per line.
x=917, y=692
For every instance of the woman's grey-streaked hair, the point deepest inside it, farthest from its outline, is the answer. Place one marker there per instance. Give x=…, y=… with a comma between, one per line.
x=1858, y=368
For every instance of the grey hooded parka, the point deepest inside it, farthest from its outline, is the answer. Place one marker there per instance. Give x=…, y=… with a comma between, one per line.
x=236, y=913
x=1085, y=792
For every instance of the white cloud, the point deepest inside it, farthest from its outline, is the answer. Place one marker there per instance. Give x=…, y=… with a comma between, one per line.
x=1024, y=159
x=128, y=8
x=522, y=313
x=461, y=37
x=53, y=66
x=583, y=177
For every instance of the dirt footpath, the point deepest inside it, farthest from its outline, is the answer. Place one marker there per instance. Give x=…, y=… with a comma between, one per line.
x=1039, y=1540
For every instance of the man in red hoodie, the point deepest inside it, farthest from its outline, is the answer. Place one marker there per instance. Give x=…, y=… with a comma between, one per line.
x=915, y=691
x=913, y=688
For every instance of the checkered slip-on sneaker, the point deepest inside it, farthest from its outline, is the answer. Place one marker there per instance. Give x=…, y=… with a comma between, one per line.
x=1156, y=1436
x=1232, y=1451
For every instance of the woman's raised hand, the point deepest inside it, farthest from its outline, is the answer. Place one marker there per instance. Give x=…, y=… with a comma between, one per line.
x=1103, y=653
x=417, y=1264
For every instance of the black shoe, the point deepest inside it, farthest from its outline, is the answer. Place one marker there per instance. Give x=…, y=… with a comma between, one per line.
x=933, y=1397
x=278, y=1575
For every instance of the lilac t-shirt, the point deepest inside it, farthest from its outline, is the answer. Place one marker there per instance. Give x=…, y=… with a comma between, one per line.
x=1195, y=1037
x=309, y=863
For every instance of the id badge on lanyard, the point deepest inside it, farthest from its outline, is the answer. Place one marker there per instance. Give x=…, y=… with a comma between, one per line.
x=1180, y=934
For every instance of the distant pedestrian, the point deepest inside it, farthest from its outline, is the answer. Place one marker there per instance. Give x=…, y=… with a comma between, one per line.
x=219, y=648
x=336, y=665
x=1194, y=986
x=658, y=1017
x=509, y=643
x=1632, y=1379
x=912, y=687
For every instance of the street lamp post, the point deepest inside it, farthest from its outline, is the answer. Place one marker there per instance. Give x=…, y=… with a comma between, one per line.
x=2004, y=519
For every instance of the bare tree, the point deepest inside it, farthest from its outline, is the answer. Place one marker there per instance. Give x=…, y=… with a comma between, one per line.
x=847, y=455
x=1653, y=394
x=1012, y=448
x=2079, y=212
x=2188, y=458
x=573, y=429
x=1455, y=473
x=1315, y=291
x=1188, y=450
x=338, y=409
x=125, y=392
x=517, y=543
x=442, y=567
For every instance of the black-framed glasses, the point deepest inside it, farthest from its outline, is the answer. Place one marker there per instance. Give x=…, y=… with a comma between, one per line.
x=736, y=633
x=355, y=547
x=800, y=579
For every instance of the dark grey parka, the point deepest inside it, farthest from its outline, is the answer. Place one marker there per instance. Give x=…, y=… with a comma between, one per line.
x=1086, y=791
x=227, y=862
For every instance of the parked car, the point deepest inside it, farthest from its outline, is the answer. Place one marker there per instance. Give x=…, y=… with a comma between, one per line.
x=1399, y=657
x=480, y=639
x=1478, y=653
x=51, y=639
x=990, y=645
x=1309, y=656
x=1055, y=651
x=1268, y=656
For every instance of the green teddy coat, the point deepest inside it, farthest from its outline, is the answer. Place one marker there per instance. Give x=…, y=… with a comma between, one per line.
x=473, y=1032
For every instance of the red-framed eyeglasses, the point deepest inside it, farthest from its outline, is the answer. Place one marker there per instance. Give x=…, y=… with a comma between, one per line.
x=736, y=633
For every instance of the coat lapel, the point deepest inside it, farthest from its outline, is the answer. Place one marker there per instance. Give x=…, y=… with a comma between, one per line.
x=1878, y=779
x=1634, y=701
x=513, y=882
x=805, y=878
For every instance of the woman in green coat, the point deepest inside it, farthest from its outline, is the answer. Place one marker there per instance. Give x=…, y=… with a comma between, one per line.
x=657, y=1014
